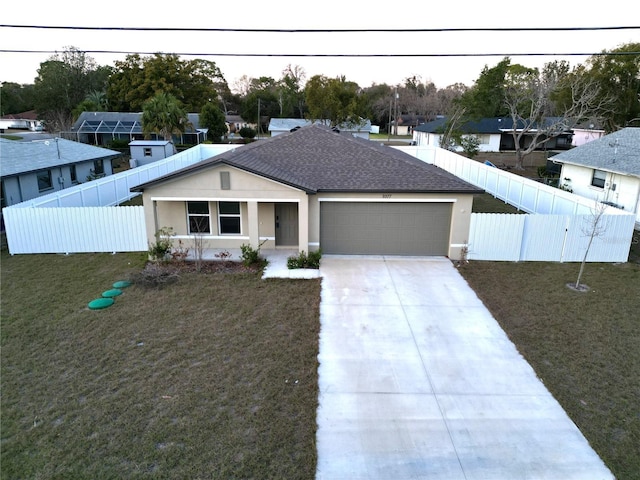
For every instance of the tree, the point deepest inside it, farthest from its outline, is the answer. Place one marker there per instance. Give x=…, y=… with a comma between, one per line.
x=64, y=81
x=15, y=98
x=212, y=118
x=94, y=102
x=529, y=98
x=291, y=92
x=164, y=114
x=137, y=79
x=593, y=227
x=334, y=99
x=617, y=73
x=486, y=97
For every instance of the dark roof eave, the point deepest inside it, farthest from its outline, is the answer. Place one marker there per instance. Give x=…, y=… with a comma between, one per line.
x=399, y=191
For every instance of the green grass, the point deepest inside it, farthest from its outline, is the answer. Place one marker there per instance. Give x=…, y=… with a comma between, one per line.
x=214, y=376
x=584, y=346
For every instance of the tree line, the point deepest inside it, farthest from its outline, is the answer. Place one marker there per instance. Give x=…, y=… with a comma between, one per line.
x=606, y=87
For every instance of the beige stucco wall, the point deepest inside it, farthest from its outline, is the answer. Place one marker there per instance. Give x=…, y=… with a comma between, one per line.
x=165, y=206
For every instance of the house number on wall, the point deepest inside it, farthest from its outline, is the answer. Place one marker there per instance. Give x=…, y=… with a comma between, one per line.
x=386, y=195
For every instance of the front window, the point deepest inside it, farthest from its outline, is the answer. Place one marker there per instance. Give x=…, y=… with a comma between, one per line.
x=147, y=151
x=229, y=218
x=44, y=180
x=599, y=178
x=199, y=218
x=98, y=167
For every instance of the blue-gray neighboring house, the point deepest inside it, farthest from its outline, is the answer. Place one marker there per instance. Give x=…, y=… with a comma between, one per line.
x=31, y=169
x=494, y=134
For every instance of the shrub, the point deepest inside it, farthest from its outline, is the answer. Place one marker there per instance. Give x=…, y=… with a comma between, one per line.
x=159, y=250
x=304, y=260
x=250, y=255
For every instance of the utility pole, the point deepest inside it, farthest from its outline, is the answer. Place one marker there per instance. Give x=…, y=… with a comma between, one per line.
x=395, y=112
x=259, y=123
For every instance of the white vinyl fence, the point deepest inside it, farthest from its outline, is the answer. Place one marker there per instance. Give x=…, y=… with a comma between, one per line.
x=557, y=229
x=86, y=218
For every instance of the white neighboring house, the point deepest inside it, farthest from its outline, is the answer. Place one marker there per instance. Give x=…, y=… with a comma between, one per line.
x=31, y=169
x=279, y=126
x=606, y=169
x=144, y=152
x=493, y=134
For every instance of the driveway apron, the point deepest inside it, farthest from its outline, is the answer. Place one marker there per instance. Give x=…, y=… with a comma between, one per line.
x=418, y=381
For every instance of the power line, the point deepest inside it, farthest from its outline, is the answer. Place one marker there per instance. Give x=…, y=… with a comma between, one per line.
x=342, y=30
x=338, y=55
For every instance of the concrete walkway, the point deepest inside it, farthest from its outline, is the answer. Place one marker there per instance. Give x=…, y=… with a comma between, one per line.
x=418, y=381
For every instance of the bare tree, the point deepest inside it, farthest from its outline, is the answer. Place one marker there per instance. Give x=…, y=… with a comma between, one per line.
x=537, y=116
x=593, y=227
x=451, y=132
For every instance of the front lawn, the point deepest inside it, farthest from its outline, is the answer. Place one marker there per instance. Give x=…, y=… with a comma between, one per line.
x=585, y=346
x=214, y=376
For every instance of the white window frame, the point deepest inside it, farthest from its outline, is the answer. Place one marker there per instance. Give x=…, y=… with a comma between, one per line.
x=601, y=178
x=198, y=215
x=230, y=215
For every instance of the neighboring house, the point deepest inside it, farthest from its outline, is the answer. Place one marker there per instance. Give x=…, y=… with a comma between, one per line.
x=21, y=121
x=144, y=152
x=407, y=123
x=310, y=189
x=606, y=169
x=494, y=134
x=236, y=122
x=279, y=126
x=31, y=169
x=585, y=133
x=100, y=128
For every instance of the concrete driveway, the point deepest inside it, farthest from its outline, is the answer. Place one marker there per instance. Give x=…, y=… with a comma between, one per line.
x=418, y=381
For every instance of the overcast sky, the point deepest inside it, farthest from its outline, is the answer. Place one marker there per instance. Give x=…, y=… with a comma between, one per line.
x=323, y=15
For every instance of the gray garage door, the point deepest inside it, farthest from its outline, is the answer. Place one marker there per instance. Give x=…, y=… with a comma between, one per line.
x=372, y=228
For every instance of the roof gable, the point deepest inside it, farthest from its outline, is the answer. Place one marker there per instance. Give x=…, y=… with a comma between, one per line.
x=618, y=152
x=22, y=157
x=316, y=159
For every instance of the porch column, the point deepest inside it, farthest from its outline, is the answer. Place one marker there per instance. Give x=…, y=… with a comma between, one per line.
x=254, y=224
x=303, y=224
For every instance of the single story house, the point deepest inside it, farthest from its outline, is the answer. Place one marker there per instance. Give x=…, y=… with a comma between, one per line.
x=494, y=134
x=100, y=128
x=314, y=188
x=278, y=126
x=21, y=121
x=31, y=169
x=406, y=123
x=144, y=152
x=606, y=169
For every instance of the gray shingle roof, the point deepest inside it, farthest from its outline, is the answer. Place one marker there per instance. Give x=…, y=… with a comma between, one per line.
x=618, y=152
x=316, y=159
x=21, y=157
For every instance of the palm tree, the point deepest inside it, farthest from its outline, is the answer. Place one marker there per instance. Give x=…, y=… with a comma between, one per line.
x=164, y=114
